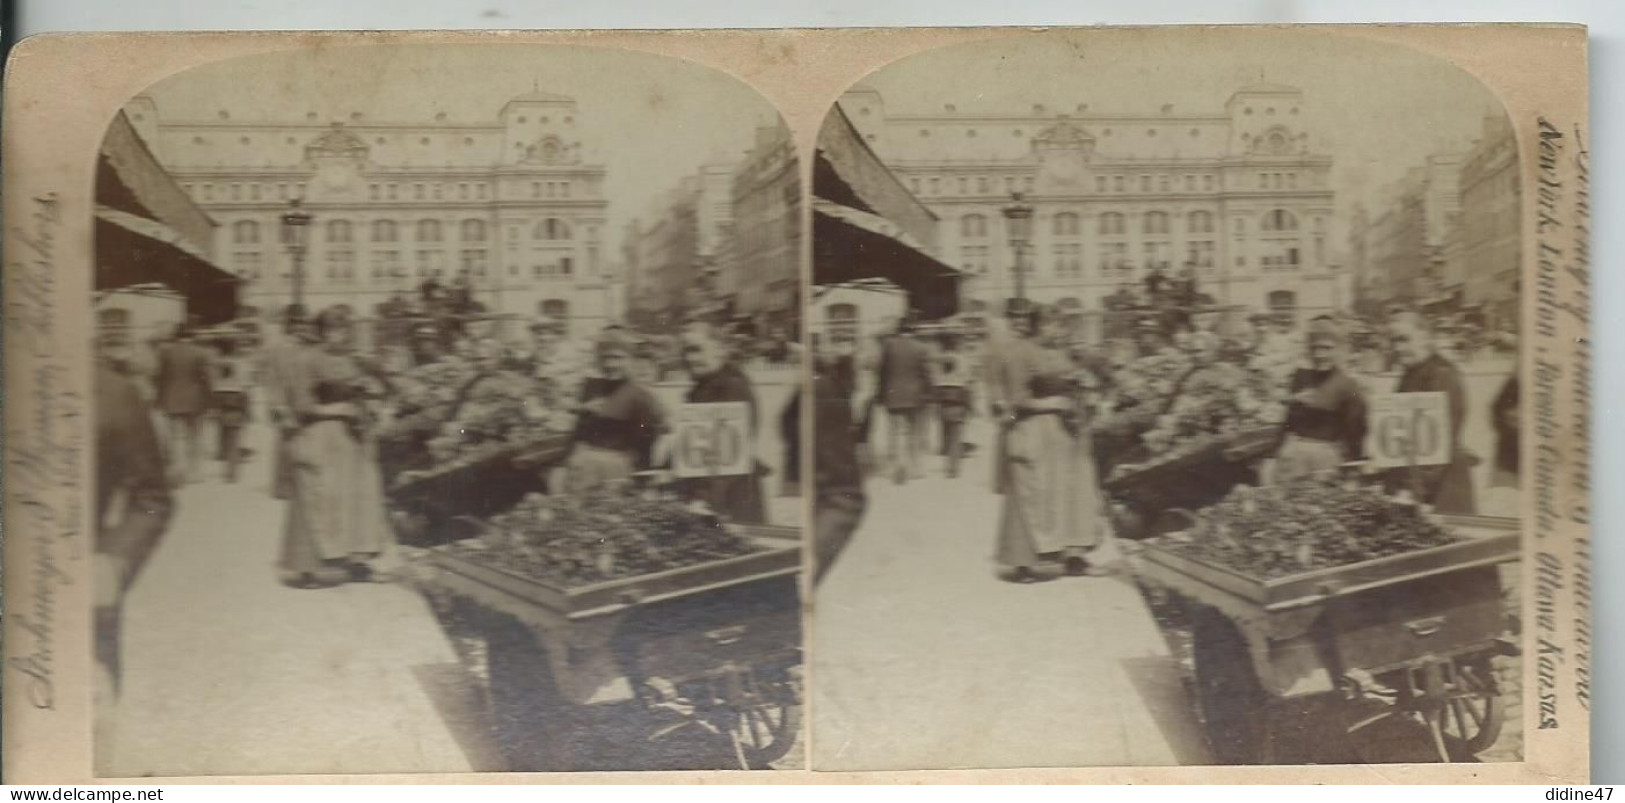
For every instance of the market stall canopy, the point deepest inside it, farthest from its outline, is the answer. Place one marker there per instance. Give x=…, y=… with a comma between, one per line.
x=869, y=229
x=847, y=172
x=853, y=247
x=148, y=231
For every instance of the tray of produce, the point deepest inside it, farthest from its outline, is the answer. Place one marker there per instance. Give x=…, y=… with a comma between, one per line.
x=1295, y=545
x=595, y=553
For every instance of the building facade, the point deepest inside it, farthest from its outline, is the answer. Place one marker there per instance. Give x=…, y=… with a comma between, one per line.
x=508, y=202
x=1409, y=243
x=761, y=270
x=1236, y=195
x=1490, y=237
x=673, y=253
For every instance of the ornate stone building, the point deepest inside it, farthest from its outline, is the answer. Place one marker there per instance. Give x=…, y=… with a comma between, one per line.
x=761, y=270
x=508, y=202
x=1489, y=236
x=1238, y=195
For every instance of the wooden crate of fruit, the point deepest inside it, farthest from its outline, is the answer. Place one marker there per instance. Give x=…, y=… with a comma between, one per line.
x=1415, y=624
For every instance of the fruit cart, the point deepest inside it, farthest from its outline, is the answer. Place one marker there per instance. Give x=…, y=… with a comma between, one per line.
x=1144, y=491
x=695, y=667
x=1410, y=636
x=429, y=507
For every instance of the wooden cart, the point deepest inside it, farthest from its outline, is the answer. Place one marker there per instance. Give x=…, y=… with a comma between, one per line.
x=1410, y=636
x=691, y=668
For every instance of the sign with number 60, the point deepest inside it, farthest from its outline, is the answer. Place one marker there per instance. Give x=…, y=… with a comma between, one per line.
x=712, y=440
x=1409, y=429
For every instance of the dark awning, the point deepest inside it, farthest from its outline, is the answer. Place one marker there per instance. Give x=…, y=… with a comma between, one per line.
x=133, y=251
x=847, y=171
x=851, y=246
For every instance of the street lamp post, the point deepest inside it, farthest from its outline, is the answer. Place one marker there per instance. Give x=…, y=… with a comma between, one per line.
x=1018, y=218
x=295, y=235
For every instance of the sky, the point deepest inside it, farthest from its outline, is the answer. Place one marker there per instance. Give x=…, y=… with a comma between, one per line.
x=649, y=119
x=1376, y=108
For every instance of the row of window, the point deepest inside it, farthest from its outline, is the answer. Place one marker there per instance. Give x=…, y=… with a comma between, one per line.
x=1119, y=183
x=340, y=266
x=1066, y=260
x=249, y=232
x=419, y=191
x=975, y=226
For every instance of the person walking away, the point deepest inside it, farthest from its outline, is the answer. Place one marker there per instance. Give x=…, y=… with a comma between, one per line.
x=337, y=526
x=1051, y=509
x=1449, y=487
x=1505, y=415
x=184, y=394
x=839, y=502
x=1326, y=414
x=129, y=467
x=231, y=382
x=619, y=422
x=717, y=378
x=951, y=377
x=283, y=368
x=904, y=376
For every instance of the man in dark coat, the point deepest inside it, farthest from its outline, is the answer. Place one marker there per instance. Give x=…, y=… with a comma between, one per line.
x=737, y=498
x=185, y=390
x=128, y=460
x=1449, y=487
x=839, y=502
x=904, y=390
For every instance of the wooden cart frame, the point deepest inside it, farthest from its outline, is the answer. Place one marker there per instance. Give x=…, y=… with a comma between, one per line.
x=1410, y=635
x=698, y=664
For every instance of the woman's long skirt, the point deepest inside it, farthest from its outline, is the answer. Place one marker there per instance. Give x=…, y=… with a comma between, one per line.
x=1051, y=500
x=337, y=512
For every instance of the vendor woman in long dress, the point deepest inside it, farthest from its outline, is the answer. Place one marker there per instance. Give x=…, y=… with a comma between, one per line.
x=618, y=421
x=1326, y=412
x=337, y=526
x=1051, y=502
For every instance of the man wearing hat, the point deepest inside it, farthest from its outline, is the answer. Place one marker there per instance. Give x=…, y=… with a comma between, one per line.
x=904, y=389
x=618, y=421
x=185, y=392
x=128, y=462
x=1326, y=414
x=1449, y=487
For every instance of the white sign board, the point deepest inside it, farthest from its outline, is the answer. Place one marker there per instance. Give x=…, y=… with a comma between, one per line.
x=712, y=440
x=1409, y=429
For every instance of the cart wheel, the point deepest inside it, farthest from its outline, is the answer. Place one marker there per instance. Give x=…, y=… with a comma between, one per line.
x=531, y=721
x=1235, y=709
x=767, y=718
x=1470, y=719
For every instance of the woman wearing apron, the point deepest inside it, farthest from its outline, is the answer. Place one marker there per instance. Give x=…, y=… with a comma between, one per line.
x=1051, y=505
x=617, y=423
x=1326, y=414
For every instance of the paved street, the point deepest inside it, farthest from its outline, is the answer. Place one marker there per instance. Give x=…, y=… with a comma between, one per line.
x=923, y=658
x=229, y=672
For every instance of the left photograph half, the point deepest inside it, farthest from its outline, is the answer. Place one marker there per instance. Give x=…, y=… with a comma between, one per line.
x=447, y=417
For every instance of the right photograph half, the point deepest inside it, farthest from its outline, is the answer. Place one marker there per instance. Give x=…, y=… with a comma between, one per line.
x=1165, y=406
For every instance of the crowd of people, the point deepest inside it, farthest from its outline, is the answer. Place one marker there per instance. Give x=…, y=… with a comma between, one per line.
x=1047, y=384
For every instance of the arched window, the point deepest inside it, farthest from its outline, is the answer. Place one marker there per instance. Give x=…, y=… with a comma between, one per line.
x=428, y=231
x=1066, y=225
x=1200, y=222
x=1111, y=224
x=383, y=231
x=973, y=227
x=339, y=231
x=1280, y=220
x=1156, y=223
x=245, y=232
x=473, y=231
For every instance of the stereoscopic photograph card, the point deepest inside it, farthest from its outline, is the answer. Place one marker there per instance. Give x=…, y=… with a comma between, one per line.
x=1084, y=405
